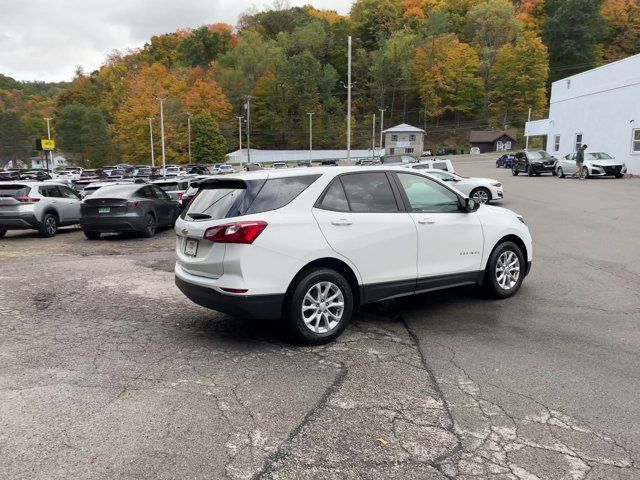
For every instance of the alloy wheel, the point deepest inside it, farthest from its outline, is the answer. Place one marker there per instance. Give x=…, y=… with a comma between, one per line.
x=151, y=225
x=508, y=270
x=323, y=307
x=50, y=225
x=481, y=196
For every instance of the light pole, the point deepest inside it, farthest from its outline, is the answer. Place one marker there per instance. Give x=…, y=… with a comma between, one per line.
x=189, y=130
x=349, y=100
x=526, y=146
x=373, y=137
x=164, y=160
x=153, y=162
x=48, y=120
x=381, y=127
x=248, y=107
x=240, y=117
x=310, y=136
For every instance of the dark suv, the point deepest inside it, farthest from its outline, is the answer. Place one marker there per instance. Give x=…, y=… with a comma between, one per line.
x=533, y=163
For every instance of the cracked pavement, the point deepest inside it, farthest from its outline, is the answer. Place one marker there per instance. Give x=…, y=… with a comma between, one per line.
x=107, y=371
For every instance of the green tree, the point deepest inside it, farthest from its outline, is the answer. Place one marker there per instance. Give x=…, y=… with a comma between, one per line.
x=571, y=35
x=206, y=44
x=519, y=80
x=208, y=145
x=83, y=131
x=15, y=141
x=374, y=20
x=490, y=25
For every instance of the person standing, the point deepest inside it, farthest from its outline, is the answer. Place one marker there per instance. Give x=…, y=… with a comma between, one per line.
x=580, y=162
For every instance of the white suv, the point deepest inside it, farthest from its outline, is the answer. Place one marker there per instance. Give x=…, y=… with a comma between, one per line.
x=310, y=245
x=42, y=206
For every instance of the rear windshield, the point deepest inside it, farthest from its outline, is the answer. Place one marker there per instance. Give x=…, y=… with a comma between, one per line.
x=115, y=191
x=235, y=198
x=13, y=190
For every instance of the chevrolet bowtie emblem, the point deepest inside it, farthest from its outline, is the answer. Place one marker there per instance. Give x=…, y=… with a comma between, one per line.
x=184, y=231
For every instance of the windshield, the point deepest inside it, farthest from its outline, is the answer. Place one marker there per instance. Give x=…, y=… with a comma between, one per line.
x=600, y=156
x=539, y=155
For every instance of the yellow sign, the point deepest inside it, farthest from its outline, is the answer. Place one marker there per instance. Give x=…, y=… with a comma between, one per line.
x=48, y=144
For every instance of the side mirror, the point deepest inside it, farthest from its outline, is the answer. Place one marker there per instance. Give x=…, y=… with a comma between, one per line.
x=470, y=205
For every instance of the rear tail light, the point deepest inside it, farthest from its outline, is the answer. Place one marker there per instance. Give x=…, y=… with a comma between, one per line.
x=26, y=199
x=239, y=232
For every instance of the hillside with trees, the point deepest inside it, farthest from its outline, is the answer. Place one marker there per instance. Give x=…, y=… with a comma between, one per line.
x=444, y=65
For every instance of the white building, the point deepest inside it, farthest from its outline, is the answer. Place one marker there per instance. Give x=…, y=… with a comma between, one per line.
x=599, y=107
x=404, y=138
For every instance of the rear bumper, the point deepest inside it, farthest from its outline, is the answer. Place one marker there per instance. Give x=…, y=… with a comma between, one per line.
x=263, y=307
x=19, y=221
x=113, y=224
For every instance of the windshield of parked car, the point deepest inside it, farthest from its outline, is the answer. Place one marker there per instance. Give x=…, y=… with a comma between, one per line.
x=539, y=155
x=600, y=156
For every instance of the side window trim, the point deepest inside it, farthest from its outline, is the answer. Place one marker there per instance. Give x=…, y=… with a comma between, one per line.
x=403, y=194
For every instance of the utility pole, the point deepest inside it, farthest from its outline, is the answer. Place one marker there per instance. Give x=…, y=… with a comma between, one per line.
x=248, y=107
x=240, y=117
x=526, y=138
x=48, y=120
x=189, y=129
x=373, y=138
x=164, y=159
x=381, y=127
x=153, y=162
x=310, y=136
x=349, y=100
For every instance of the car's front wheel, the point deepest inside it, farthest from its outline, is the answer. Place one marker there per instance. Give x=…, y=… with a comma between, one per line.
x=505, y=270
x=91, y=235
x=49, y=225
x=560, y=172
x=530, y=171
x=319, y=307
x=481, y=195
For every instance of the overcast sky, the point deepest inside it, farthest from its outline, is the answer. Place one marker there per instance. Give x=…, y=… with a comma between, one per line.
x=45, y=40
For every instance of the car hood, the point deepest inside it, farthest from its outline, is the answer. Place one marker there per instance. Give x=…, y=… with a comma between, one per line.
x=481, y=180
x=604, y=163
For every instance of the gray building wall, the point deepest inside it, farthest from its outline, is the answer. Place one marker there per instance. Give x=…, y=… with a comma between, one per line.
x=411, y=143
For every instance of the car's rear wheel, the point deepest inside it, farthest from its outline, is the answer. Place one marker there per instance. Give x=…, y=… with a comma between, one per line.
x=620, y=175
x=91, y=235
x=149, y=228
x=505, y=270
x=320, y=307
x=49, y=225
x=530, y=171
x=560, y=172
x=514, y=171
x=3, y=232
x=481, y=195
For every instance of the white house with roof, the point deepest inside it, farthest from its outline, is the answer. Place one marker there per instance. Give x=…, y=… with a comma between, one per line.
x=600, y=108
x=404, y=138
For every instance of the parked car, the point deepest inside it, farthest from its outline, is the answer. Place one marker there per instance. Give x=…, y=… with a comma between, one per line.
x=365, y=163
x=427, y=153
x=436, y=164
x=505, y=161
x=139, y=208
x=142, y=172
x=197, y=170
x=327, y=163
x=239, y=251
x=475, y=151
x=174, y=187
x=225, y=169
x=596, y=164
x=39, y=175
x=533, y=163
x=72, y=173
x=305, y=163
x=10, y=175
x=395, y=159
x=277, y=165
x=41, y=206
x=482, y=190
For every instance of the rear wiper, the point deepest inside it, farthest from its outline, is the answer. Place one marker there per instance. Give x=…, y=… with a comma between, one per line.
x=198, y=216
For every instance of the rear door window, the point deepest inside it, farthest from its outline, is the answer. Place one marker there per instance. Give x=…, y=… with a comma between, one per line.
x=50, y=191
x=278, y=192
x=369, y=192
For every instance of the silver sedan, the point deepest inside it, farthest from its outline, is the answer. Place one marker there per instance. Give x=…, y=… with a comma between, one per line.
x=596, y=164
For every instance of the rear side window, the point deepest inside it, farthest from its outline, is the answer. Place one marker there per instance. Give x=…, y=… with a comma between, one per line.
x=222, y=199
x=278, y=192
x=335, y=198
x=14, y=190
x=369, y=192
x=440, y=166
x=50, y=191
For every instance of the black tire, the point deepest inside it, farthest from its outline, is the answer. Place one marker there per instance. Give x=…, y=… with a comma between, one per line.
x=560, y=172
x=620, y=175
x=585, y=173
x=530, y=171
x=491, y=282
x=49, y=225
x=514, y=171
x=497, y=165
x=483, y=194
x=3, y=232
x=554, y=173
x=303, y=284
x=91, y=235
x=149, y=229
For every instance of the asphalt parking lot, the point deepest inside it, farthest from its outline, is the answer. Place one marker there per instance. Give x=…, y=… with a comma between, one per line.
x=107, y=371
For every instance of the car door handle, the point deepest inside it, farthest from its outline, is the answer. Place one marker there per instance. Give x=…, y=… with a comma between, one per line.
x=426, y=221
x=340, y=222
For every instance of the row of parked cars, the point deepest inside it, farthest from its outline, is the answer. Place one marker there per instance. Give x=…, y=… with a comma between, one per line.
x=537, y=162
